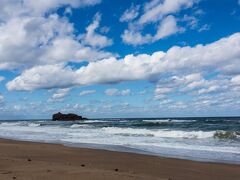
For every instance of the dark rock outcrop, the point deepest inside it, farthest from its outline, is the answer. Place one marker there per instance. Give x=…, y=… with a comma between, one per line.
x=66, y=117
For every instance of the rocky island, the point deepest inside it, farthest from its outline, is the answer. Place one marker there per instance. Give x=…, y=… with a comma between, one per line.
x=67, y=117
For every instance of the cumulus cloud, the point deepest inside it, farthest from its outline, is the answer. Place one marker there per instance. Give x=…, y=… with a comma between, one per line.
x=130, y=14
x=61, y=93
x=94, y=39
x=156, y=11
x=167, y=27
x=160, y=92
x=117, y=92
x=44, y=77
x=87, y=92
x=194, y=84
x=69, y=50
x=20, y=39
x=201, y=92
x=36, y=8
x=220, y=57
x=135, y=38
x=236, y=80
x=30, y=38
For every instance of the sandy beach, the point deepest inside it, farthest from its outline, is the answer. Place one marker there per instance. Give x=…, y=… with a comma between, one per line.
x=38, y=161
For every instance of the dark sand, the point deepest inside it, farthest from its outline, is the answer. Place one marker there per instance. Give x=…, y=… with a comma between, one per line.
x=39, y=161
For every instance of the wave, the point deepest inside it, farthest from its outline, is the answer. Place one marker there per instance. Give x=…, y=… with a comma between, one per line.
x=12, y=123
x=79, y=125
x=161, y=122
x=95, y=121
x=203, y=148
x=227, y=134
x=22, y=123
x=33, y=124
x=219, y=121
x=168, y=120
x=158, y=133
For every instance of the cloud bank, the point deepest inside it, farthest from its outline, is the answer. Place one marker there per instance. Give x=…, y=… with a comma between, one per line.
x=220, y=57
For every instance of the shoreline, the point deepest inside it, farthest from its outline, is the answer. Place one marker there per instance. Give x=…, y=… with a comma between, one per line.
x=34, y=160
x=124, y=149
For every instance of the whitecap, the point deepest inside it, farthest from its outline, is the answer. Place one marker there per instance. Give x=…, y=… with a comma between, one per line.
x=79, y=125
x=163, y=133
x=33, y=124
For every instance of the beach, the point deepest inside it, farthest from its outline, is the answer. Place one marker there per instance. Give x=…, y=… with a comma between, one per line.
x=37, y=161
x=201, y=139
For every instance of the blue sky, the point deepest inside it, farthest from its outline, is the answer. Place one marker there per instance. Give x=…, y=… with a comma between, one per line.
x=130, y=58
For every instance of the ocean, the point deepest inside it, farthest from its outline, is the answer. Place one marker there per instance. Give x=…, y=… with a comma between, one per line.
x=211, y=139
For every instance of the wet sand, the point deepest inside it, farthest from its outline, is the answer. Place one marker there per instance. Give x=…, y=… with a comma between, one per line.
x=40, y=161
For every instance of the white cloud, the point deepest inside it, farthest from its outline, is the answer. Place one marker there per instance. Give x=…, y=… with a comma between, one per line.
x=46, y=77
x=160, y=92
x=28, y=38
x=190, y=84
x=209, y=89
x=117, y=92
x=87, y=92
x=156, y=10
x=67, y=49
x=220, y=57
x=61, y=93
x=236, y=80
x=135, y=38
x=18, y=8
x=20, y=39
x=167, y=27
x=160, y=12
x=130, y=14
x=94, y=39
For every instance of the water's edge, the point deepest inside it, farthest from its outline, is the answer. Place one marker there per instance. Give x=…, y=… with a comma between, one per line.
x=124, y=149
x=199, y=139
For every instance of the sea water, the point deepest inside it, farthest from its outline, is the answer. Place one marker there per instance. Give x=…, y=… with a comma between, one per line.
x=204, y=139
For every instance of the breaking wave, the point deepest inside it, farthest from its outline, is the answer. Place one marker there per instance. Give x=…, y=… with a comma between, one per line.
x=159, y=133
x=79, y=125
x=227, y=134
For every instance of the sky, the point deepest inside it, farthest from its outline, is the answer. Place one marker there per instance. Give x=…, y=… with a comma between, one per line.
x=131, y=58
